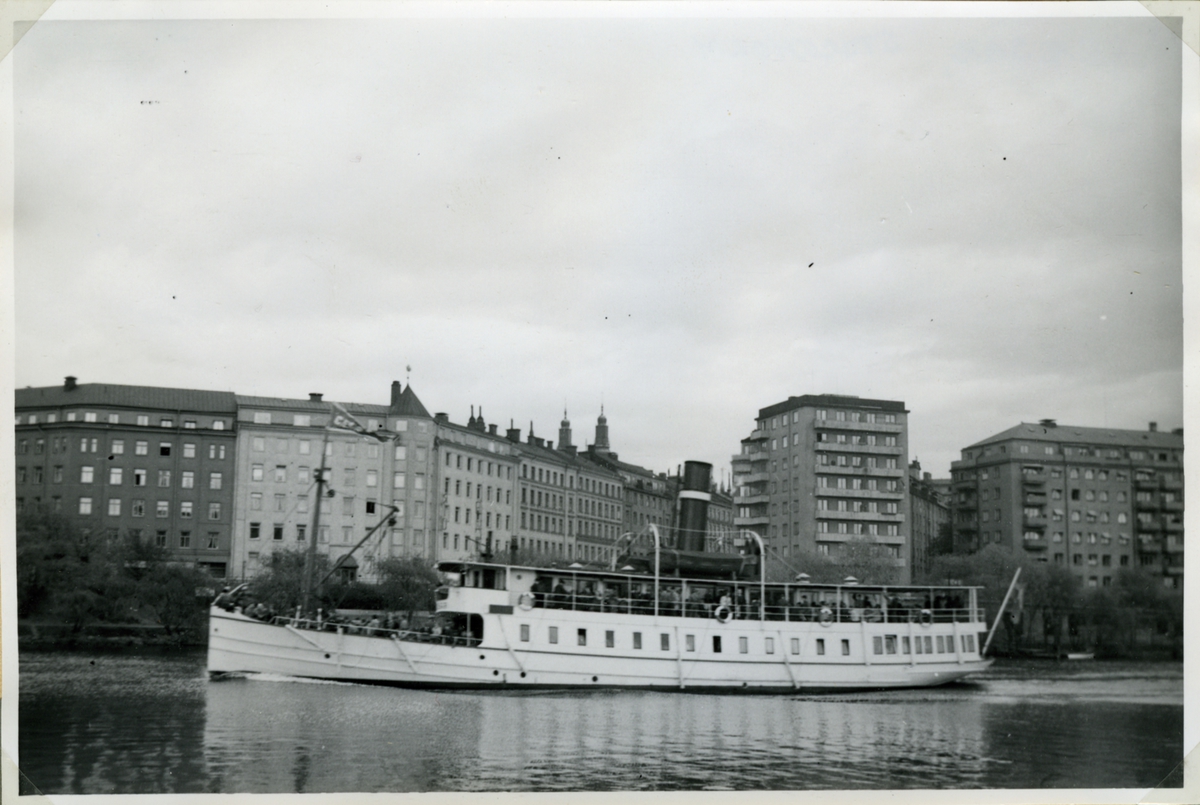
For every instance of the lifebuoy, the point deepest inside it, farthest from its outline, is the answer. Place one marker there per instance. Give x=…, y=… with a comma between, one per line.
x=723, y=613
x=825, y=617
x=926, y=617
x=525, y=601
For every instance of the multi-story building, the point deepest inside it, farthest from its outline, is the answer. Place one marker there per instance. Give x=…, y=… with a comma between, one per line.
x=570, y=507
x=930, y=507
x=154, y=462
x=821, y=470
x=1091, y=499
x=282, y=444
x=477, y=480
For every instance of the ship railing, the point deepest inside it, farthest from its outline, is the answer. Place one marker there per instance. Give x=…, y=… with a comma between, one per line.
x=365, y=630
x=817, y=612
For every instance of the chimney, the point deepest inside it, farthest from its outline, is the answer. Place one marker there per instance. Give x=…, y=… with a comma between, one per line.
x=69, y=383
x=1154, y=427
x=1177, y=431
x=1048, y=423
x=513, y=434
x=314, y=396
x=441, y=417
x=395, y=394
x=492, y=429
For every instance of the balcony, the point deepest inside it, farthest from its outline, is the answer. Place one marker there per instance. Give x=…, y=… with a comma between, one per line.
x=873, y=517
x=1174, y=527
x=1035, y=500
x=1146, y=505
x=756, y=436
x=1033, y=478
x=748, y=522
x=1034, y=522
x=1172, y=505
x=1149, y=543
x=867, y=427
x=868, y=449
x=1146, y=484
x=865, y=494
x=750, y=500
x=751, y=478
x=1172, y=484
x=1036, y=545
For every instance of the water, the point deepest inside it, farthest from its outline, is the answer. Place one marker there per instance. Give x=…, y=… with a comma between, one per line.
x=110, y=723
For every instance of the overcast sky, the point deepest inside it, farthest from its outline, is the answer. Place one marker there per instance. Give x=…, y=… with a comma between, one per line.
x=686, y=219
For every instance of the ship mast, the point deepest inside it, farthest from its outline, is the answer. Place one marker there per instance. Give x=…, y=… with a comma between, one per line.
x=310, y=555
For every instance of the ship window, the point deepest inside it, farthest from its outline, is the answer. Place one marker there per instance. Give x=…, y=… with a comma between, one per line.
x=743, y=645
x=820, y=645
x=905, y=643
x=665, y=641
x=889, y=644
x=918, y=645
x=928, y=645
x=971, y=642
x=795, y=645
x=690, y=642
x=553, y=634
x=581, y=636
x=845, y=648
x=877, y=643
x=637, y=639
x=609, y=639
x=770, y=645
x=524, y=632
x=941, y=645
x=716, y=644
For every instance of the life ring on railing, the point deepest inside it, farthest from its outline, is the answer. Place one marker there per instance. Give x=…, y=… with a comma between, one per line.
x=525, y=601
x=926, y=617
x=825, y=617
x=723, y=614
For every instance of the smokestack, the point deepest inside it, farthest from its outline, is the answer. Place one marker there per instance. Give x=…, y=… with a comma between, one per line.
x=693, y=505
x=69, y=383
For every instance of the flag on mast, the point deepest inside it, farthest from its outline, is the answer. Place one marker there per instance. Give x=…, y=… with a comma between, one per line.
x=343, y=420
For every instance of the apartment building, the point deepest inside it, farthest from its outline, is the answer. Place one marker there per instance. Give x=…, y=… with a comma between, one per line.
x=477, y=481
x=820, y=470
x=929, y=503
x=154, y=462
x=1091, y=499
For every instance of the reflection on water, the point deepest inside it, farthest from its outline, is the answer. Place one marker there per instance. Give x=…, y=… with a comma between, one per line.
x=112, y=723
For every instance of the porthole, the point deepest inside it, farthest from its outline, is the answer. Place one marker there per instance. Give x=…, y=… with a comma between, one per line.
x=481, y=656
x=495, y=673
x=595, y=679
x=326, y=656
x=522, y=674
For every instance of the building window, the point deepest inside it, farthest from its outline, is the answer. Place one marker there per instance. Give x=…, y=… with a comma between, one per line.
x=114, y=476
x=162, y=508
x=160, y=538
x=138, y=508
x=256, y=472
x=214, y=511
x=185, y=509
x=114, y=508
x=187, y=479
x=118, y=447
x=141, y=448
x=255, y=530
x=164, y=478
x=164, y=448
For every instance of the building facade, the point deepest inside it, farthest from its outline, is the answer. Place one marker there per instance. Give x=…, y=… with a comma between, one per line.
x=821, y=470
x=930, y=506
x=477, y=482
x=1090, y=499
x=153, y=462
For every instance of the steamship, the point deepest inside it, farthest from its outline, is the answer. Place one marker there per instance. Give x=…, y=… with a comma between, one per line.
x=666, y=614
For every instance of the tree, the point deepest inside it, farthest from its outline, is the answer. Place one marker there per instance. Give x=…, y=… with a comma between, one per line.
x=407, y=583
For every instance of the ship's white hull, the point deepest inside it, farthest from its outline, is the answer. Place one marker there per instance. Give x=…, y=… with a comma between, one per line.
x=778, y=656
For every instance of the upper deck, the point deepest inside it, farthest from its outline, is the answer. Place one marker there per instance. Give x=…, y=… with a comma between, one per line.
x=593, y=590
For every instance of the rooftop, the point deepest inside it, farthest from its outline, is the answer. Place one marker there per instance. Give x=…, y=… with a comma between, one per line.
x=832, y=401
x=1058, y=434
x=114, y=396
